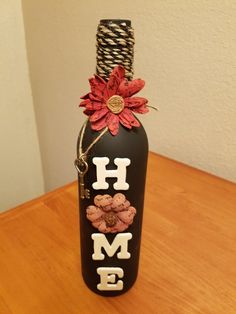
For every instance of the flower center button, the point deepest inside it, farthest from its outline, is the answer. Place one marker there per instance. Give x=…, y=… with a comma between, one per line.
x=116, y=104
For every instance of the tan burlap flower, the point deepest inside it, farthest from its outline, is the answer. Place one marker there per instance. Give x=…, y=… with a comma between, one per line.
x=111, y=214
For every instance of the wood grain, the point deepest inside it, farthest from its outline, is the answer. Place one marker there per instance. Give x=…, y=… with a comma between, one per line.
x=188, y=254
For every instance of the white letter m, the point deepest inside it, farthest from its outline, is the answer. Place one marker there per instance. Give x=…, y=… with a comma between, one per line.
x=100, y=241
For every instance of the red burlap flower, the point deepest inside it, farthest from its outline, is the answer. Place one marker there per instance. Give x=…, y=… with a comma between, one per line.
x=110, y=102
x=111, y=214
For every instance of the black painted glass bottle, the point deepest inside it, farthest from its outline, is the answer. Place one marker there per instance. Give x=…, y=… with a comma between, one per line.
x=112, y=170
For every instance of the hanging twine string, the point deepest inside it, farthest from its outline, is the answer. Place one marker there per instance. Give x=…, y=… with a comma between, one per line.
x=115, y=46
x=81, y=164
x=85, y=153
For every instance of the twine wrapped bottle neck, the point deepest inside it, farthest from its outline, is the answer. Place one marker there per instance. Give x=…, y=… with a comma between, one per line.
x=115, y=46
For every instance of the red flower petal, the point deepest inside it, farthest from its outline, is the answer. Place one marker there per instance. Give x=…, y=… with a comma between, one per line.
x=91, y=105
x=115, y=79
x=128, y=89
x=124, y=121
x=141, y=109
x=93, y=97
x=98, y=87
x=135, y=122
x=100, y=124
x=98, y=114
x=119, y=72
x=84, y=103
x=85, y=96
x=113, y=123
x=88, y=112
x=134, y=102
x=127, y=116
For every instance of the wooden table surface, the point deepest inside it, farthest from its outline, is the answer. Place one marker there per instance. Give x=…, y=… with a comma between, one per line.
x=188, y=255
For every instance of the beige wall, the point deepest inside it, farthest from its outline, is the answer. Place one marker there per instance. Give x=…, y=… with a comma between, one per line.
x=20, y=165
x=185, y=50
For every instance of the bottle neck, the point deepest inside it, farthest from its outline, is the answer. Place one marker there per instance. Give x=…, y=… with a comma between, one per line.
x=115, y=46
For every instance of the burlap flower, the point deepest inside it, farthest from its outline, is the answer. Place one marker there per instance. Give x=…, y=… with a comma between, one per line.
x=111, y=214
x=110, y=102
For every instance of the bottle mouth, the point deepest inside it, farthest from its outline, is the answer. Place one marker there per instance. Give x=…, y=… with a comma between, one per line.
x=115, y=21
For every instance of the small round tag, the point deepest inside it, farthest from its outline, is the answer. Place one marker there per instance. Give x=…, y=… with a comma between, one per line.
x=116, y=104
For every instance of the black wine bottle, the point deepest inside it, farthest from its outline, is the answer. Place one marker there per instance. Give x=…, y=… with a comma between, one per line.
x=112, y=163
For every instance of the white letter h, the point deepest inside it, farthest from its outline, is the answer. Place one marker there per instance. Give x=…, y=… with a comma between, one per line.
x=103, y=173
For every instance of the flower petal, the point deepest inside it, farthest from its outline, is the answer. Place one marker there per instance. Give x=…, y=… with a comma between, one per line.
x=127, y=117
x=134, y=102
x=86, y=96
x=119, y=226
x=91, y=97
x=93, y=213
x=98, y=87
x=99, y=124
x=119, y=72
x=137, y=104
x=127, y=216
x=94, y=105
x=84, y=103
x=98, y=114
x=101, y=226
x=91, y=105
x=141, y=109
x=128, y=89
x=135, y=122
x=115, y=79
x=103, y=201
x=119, y=202
x=88, y=112
x=113, y=123
x=123, y=206
x=97, y=222
x=124, y=122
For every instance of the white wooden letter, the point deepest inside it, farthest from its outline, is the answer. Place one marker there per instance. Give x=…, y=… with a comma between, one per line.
x=108, y=278
x=103, y=173
x=100, y=241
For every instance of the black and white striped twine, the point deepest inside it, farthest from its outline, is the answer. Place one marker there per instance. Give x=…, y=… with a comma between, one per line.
x=115, y=46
